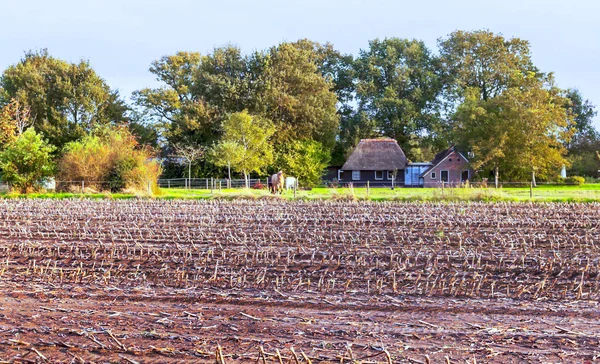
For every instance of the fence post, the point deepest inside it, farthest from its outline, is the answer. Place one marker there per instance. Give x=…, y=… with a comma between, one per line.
x=149, y=189
x=211, y=184
x=169, y=183
x=207, y=183
x=82, y=186
x=219, y=186
x=295, y=188
x=368, y=187
x=442, y=188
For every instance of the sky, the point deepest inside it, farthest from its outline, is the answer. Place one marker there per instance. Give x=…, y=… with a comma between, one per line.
x=120, y=38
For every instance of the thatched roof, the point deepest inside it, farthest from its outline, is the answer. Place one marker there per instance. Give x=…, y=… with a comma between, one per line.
x=382, y=154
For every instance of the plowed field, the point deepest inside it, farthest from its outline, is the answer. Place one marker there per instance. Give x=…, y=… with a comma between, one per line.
x=296, y=282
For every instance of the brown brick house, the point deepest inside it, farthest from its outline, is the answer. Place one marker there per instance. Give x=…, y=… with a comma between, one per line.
x=449, y=167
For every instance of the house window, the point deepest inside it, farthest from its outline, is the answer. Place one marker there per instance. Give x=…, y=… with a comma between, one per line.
x=433, y=175
x=356, y=175
x=340, y=174
x=464, y=176
x=379, y=175
x=444, y=176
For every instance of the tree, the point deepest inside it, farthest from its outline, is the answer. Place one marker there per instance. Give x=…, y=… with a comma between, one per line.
x=27, y=162
x=189, y=153
x=537, y=107
x=397, y=86
x=66, y=100
x=251, y=135
x=481, y=60
x=14, y=119
x=481, y=128
x=583, y=112
x=306, y=160
x=225, y=154
x=298, y=99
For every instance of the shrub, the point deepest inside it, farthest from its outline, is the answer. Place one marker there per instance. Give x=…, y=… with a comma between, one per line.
x=575, y=180
x=258, y=186
x=110, y=158
x=27, y=162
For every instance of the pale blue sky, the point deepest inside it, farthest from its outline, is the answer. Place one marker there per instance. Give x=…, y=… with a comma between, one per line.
x=121, y=37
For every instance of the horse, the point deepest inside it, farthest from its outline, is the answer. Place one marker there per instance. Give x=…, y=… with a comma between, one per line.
x=290, y=182
x=276, y=183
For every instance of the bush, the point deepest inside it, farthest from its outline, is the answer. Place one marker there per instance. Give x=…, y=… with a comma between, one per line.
x=110, y=159
x=575, y=180
x=27, y=162
x=258, y=186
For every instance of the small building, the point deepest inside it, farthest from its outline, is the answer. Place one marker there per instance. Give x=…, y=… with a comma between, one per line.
x=413, y=174
x=380, y=161
x=449, y=167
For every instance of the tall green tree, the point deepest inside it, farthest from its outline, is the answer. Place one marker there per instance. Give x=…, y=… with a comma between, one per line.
x=397, y=86
x=66, y=100
x=481, y=60
x=27, y=161
x=298, y=99
x=251, y=136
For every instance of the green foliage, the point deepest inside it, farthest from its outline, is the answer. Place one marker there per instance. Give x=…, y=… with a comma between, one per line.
x=226, y=154
x=110, y=154
x=26, y=162
x=481, y=60
x=66, y=99
x=575, y=180
x=397, y=85
x=248, y=137
x=305, y=160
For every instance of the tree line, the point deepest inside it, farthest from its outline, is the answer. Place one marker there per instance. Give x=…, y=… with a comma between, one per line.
x=300, y=106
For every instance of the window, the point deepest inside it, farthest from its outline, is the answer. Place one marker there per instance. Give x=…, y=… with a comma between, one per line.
x=355, y=175
x=340, y=172
x=444, y=176
x=379, y=175
x=464, y=176
x=432, y=175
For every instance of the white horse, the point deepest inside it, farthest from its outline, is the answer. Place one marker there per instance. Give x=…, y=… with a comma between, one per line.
x=290, y=182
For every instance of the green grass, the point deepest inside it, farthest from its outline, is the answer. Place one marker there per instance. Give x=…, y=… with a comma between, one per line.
x=542, y=193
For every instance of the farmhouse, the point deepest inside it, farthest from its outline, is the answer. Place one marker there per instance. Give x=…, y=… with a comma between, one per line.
x=382, y=163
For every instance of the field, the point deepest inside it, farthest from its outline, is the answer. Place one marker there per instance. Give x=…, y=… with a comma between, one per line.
x=541, y=193
x=276, y=281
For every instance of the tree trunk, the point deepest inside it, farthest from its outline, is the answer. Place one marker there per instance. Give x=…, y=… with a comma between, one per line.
x=190, y=175
x=246, y=180
x=533, y=178
x=496, y=176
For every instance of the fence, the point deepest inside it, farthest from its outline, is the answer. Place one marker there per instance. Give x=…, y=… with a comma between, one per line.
x=211, y=183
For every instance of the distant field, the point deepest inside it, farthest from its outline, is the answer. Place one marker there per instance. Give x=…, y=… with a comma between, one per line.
x=543, y=193
x=555, y=193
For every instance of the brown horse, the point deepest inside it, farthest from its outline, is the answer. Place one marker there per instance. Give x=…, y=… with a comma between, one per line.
x=276, y=183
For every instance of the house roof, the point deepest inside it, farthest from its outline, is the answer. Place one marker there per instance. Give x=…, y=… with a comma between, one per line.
x=376, y=155
x=441, y=156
